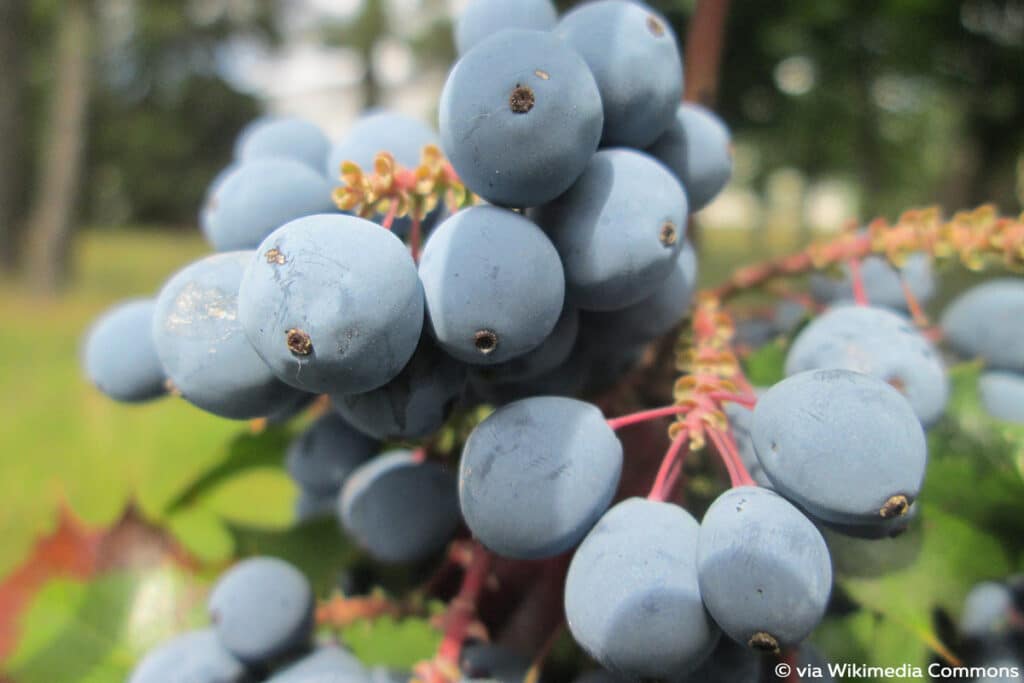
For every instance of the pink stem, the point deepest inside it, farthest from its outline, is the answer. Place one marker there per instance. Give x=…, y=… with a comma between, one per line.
x=464, y=605
x=617, y=423
x=415, y=237
x=389, y=218
x=664, y=479
x=726, y=447
x=920, y=319
x=860, y=295
x=723, y=397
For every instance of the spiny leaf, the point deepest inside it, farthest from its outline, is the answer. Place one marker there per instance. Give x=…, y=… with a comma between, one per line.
x=396, y=643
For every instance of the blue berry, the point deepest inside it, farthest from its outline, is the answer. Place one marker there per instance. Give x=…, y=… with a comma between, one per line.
x=552, y=353
x=203, y=348
x=1002, y=395
x=607, y=367
x=333, y=304
x=619, y=229
x=493, y=663
x=325, y=454
x=262, y=610
x=567, y=379
x=292, y=410
x=883, y=283
x=788, y=315
x=987, y=321
x=632, y=599
x=880, y=343
x=381, y=674
x=598, y=676
x=987, y=611
x=844, y=446
x=537, y=474
x=858, y=550
x=193, y=657
x=258, y=197
x=119, y=355
x=400, y=509
x=483, y=18
x=730, y=662
x=741, y=420
x=327, y=664
x=207, y=210
x=520, y=117
x=414, y=404
x=311, y=505
x=764, y=569
x=698, y=149
x=288, y=138
x=402, y=136
x=890, y=528
x=493, y=283
x=649, y=318
x=248, y=129
x=635, y=59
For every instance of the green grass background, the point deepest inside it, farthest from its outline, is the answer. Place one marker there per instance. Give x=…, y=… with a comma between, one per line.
x=62, y=441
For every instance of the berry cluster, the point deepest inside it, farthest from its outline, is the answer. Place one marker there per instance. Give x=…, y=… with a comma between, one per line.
x=554, y=251
x=262, y=620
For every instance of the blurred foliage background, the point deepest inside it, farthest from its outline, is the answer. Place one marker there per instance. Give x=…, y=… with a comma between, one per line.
x=116, y=114
x=119, y=112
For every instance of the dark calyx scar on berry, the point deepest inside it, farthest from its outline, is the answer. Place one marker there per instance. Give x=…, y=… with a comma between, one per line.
x=486, y=341
x=299, y=342
x=522, y=99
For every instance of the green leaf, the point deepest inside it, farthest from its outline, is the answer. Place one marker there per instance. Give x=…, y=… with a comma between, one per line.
x=395, y=643
x=864, y=637
x=974, y=464
x=766, y=366
x=247, y=451
x=954, y=555
x=317, y=547
x=96, y=631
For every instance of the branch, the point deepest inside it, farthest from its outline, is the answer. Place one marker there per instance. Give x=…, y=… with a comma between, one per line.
x=975, y=238
x=704, y=40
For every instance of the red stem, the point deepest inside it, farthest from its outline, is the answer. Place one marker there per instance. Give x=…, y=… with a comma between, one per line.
x=664, y=480
x=751, y=277
x=789, y=657
x=463, y=607
x=415, y=237
x=748, y=400
x=920, y=319
x=389, y=218
x=727, y=449
x=617, y=423
x=860, y=295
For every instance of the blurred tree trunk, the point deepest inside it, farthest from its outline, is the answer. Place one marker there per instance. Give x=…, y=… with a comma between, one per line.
x=52, y=219
x=13, y=20
x=702, y=63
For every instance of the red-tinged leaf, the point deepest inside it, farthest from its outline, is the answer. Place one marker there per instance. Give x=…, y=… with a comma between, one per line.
x=69, y=552
x=74, y=551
